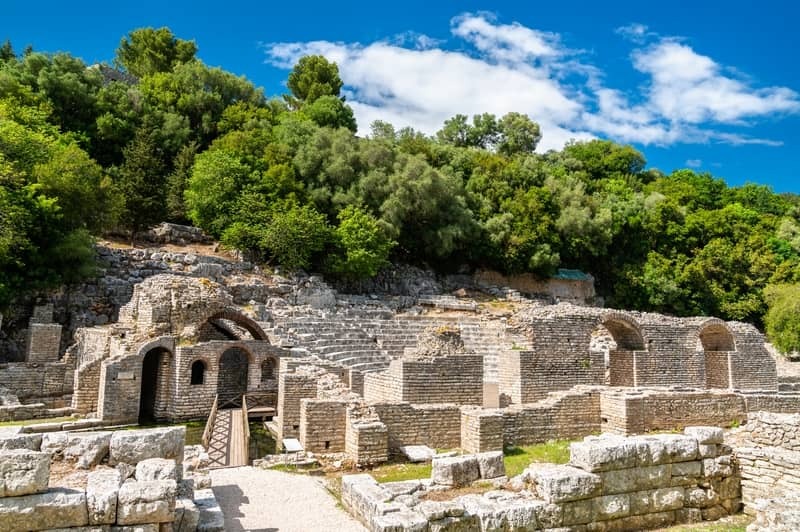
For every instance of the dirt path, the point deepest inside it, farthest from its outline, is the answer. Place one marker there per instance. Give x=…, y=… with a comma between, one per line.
x=271, y=501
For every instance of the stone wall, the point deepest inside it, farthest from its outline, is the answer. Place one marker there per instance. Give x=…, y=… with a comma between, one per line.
x=611, y=483
x=626, y=411
x=437, y=426
x=323, y=424
x=366, y=441
x=292, y=389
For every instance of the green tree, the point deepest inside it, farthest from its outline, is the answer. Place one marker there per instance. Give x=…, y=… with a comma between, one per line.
x=146, y=51
x=364, y=245
x=783, y=317
x=312, y=78
x=295, y=235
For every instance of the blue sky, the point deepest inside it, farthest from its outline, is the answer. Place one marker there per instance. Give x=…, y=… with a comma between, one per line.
x=712, y=85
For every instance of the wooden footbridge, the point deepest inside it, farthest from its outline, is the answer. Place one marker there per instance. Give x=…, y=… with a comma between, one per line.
x=226, y=437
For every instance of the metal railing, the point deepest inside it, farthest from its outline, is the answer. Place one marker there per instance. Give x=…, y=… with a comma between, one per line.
x=212, y=417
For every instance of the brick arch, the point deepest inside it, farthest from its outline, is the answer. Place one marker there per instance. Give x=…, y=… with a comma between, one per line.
x=715, y=335
x=625, y=330
x=241, y=320
x=190, y=368
x=164, y=342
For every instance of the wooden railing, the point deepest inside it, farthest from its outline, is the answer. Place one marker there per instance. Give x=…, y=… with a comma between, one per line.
x=212, y=417
x=246, y=422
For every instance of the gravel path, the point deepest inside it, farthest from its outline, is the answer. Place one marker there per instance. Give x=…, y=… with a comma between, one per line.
x=270, y=501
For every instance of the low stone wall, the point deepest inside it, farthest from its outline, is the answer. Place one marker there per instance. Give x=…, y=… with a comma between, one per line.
x=626, y=411
x=611, y=483
x=437, y=426
x=323, y=425
x=134, y=480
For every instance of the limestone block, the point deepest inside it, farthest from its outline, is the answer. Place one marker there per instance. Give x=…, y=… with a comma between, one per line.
x=686, y=473
x=31, y=442
x=578, y=512
x=135, y=528
x=635, y=479
x=603, y=454
x=23, y=472
x=612, y=506
x=146, y=502
x=58, y=508
x=185, y=489
x=492, y=514
x=714, y=513
x=418, y=453
x=688, y=515
x=704, y=434
x=98, y=528
x=491, y=464
x=156, y=469
x=403, y=519
x=211, y=517
x=133, y=446
x=126, y=471
x=87, y=449
x=678, y=448
x=455, y=471
x=557, y=483
x=707, y=450
x=717, y=467
x=435, y=510
x=187, y=516
x=102, y=487
x=666, y=499
x=700, y=498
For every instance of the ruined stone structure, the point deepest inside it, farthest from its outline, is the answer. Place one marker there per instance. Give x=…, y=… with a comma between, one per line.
x=179, y=343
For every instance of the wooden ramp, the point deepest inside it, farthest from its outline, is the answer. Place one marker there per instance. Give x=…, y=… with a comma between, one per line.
x=228, y=442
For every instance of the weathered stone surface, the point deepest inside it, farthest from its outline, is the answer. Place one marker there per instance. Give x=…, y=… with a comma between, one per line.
x=491, y=464
x=434, y=510
x=156, y=469
x=58, y=508
x=87, y=449
x=602, y=454
x=555, y=483
x=705, y=435
x=146, y=502
x=31, y=442
x=211, y=517
x=635, y=479
x=678, y=448
x=102, y=487
x=456, y=471
x=612, y=506
x=135, y=528
x=187, y=516
x=126, y=471
x=133, y=446
x=23, y=472
x=418, y=453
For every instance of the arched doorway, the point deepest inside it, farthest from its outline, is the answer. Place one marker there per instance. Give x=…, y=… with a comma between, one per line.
x=716, y=342
x=155, y=376
x=232, y=379
x=619, y=341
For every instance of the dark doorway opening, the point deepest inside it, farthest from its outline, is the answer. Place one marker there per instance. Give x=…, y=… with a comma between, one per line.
x=232, y=380
x=150, y=377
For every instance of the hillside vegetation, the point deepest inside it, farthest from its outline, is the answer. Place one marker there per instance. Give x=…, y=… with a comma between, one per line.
x=161, y=136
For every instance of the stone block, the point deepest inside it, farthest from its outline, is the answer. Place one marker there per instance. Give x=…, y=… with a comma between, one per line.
x=86, y=449
x=187, y=516
x=578, y=512
x=705, y=434
x=612, y=506
x=136, y=528
x=156, y=469
x=102, y=487
x=603, y=454
x=57, y=508
x=31, y=442
x=435, y=510
x=491, y=464
x=211, y=518
x=666, y=499
x=698, y=497
x=677, y=448
x=465, y=523
x=688, y=516
x=418, y=453
x=133, y=446
x=717, y=467
x=455, y=471
x=23, y=472
x=557, y=483
x=404, y=520
x=635, y=479
x=707, y=450
x=686, y=473
x=146, y=502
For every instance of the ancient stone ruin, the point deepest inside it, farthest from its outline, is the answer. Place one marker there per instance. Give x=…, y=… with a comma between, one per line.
x=367, y=378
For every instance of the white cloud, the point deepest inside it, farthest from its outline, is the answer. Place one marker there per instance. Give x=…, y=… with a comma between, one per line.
x=413, y=80
x=694, y=163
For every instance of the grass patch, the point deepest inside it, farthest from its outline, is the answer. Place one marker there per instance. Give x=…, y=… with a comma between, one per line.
x=398, y=472
x=261, y=441
x=518, y=458
x=25, y=422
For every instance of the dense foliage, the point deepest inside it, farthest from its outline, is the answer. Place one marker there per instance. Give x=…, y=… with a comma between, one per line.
x=162, y=136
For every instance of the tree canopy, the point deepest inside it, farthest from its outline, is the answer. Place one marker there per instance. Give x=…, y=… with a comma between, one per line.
x=287, y=180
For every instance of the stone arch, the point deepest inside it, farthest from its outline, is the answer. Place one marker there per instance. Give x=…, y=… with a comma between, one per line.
x=158, y=371
x=197, y=372
x=716, y=341
x=621, y=353
x=233, y=374
x=237, y=318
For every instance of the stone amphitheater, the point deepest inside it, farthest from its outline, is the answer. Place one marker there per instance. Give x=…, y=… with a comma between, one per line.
x=477, y=363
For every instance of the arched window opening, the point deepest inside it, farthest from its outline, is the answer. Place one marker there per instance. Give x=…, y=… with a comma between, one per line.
x=198, y=372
